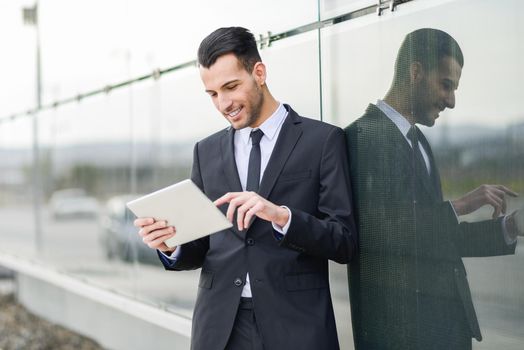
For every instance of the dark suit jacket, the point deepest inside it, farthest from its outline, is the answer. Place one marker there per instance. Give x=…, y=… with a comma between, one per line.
x=408, y=284
x=308, y=173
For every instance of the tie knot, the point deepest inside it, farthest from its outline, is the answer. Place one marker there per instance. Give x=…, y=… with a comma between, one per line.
x=256, y=135
x=413, y=135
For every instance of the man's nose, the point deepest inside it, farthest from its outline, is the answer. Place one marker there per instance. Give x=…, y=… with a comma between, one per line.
x=224, y=103
x=450, y=100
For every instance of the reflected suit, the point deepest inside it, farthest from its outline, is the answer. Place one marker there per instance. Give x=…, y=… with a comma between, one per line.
x=408, y=284
x=289, y=279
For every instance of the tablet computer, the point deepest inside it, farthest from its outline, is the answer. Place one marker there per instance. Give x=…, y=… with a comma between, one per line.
x=186, y=208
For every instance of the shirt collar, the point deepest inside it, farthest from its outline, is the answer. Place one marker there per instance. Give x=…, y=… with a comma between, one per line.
x=400, y=121
x=269, y=127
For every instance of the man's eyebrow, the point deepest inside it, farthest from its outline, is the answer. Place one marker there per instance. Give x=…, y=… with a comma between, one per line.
x=452, y=82
x=229, y=82
x=225, y=84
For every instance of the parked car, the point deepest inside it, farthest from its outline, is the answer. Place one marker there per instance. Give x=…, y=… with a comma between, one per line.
x=118, y=237
x=72, y=203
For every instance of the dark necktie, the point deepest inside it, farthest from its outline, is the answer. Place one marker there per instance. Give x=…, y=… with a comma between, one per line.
x=420, y=163
x=418, y=140
x=253, y=170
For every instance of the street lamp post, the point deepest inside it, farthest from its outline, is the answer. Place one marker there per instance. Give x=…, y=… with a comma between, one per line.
x=31, y=18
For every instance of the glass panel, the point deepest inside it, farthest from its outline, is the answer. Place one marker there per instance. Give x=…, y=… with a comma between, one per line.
x=293, y=73
x=475, y=141
x=132, y=38
x=16, y=183
x=333, y=8
x=18, y=68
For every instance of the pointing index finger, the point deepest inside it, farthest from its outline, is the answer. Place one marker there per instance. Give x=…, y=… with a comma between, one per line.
x=508, y=191
x=225, y=198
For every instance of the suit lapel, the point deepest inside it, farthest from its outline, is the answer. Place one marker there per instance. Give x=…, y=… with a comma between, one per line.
x=229, y=168
x=287, y=139
x=389, y=128
x=228, y=159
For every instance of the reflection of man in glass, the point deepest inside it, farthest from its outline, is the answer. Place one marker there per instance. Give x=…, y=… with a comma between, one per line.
x=408, y=286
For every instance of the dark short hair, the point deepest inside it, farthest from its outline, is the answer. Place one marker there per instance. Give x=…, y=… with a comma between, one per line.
x=426, y=46
x=236, y=40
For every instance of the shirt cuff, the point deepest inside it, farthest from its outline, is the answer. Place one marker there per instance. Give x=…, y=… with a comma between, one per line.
x=454, y=211
x=174, y=256
x=507, y=237
x=281, y=231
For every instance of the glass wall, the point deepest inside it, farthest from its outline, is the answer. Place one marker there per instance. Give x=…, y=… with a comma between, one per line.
x=409, y=268
x=96, y=153
x=16, y=182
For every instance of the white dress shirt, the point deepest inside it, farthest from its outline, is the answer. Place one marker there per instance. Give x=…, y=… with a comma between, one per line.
x=403, y=125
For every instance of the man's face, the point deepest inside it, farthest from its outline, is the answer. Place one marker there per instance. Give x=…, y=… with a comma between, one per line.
x=434, y=91
x=235, y=92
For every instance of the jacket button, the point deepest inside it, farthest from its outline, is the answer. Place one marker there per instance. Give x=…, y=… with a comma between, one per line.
x=250, y=241
x=238, y=282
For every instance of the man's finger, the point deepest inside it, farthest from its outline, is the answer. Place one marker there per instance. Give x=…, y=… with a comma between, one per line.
x=248, y=201
x=160, y=241
x=241, y=210
x=145, y=230
x=141, y=222
x=231, y=209
x=507, y=190
x=250, y=214
x=153, y=235
x=496, y=203
x=226, y=198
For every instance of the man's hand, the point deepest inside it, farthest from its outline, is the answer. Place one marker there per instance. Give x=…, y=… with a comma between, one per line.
x=250, y=204
x=155, y=233
x=494, y=195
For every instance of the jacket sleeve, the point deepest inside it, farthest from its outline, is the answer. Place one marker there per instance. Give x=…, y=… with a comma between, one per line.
x=482, y=239
x=331, y=232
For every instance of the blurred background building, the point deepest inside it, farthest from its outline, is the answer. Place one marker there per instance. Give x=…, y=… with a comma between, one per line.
x=101, y=101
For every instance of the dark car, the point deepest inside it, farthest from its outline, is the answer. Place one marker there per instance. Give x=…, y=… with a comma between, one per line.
x=118, y=237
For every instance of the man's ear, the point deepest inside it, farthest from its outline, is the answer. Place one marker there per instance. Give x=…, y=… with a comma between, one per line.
x=416, y=72
x=259, y=73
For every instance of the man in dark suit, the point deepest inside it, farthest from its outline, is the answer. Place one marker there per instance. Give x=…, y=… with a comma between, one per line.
x=283, y=179
x=408, y=284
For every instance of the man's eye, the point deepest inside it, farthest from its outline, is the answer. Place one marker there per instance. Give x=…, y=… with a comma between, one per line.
x=231, y=87
x=446, y=86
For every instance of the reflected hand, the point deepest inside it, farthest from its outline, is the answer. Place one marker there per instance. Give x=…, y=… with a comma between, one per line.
x=155, y=233
x=493, y=195
x=250, y=204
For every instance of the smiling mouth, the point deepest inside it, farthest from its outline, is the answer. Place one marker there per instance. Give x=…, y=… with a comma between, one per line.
x=439, y=110
x=234, y=113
